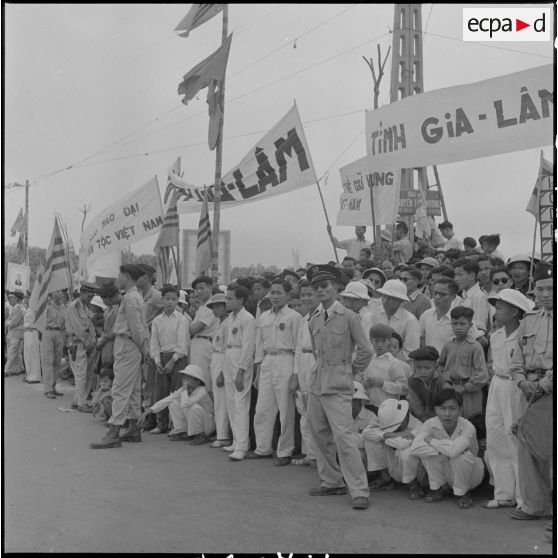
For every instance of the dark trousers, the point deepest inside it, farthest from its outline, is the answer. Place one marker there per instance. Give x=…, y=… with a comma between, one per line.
x=165, y=384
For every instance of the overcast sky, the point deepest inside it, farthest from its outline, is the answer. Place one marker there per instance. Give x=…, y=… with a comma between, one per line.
x=80, y=78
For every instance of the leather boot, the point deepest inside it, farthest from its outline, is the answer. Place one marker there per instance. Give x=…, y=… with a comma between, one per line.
x=133, y=434
x=109, y=440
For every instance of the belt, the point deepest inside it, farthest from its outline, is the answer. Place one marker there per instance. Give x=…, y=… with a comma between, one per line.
x=307, y=351
x=30, y=329
x=504, y=376
x=54, y=328
x=203, y=337
x=234, y=346
x=275, y=352
x=125, y=336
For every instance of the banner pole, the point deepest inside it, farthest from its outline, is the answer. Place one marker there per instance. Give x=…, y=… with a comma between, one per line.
x=532, y=266
x=327, y=219
x=218, y=165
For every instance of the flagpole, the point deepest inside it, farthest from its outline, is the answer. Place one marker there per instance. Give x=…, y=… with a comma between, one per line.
x=218, y=164
x=327, y=220
x=26, y=259
x=532, y=266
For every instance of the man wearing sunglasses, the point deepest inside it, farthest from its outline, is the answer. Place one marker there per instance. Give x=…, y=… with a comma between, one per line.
x=334, y=331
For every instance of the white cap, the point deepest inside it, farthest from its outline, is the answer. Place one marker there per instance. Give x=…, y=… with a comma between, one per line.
x=98, y=301
x=356, y=289
x=513, y=297
x=359, y=391
x=525, y=258
x=195, y=371
x=395, y=289
x=392, y=413
x=429, y=261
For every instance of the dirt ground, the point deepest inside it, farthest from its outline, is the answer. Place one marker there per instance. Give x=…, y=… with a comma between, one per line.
x=161, y=496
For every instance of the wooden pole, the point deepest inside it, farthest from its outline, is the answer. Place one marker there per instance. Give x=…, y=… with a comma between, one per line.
x=218, y=166
x=532, y=266
x=327, y=220
x=26, y=237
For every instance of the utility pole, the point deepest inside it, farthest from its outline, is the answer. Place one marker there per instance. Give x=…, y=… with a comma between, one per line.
x=406, y=80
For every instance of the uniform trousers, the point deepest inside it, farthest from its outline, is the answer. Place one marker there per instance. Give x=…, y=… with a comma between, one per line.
x=273, y=396
x=32, y=356
x=200, y=354
x=126, y=387
x=330, y=422
x=14, y=362
x=192, y=420
x=462, y=473
x=307, y=361
x=238, y=402
x=504, y=406
x=535, y=482
x=402, y=466
x=167, y=383
x=219, y=397
x=79, y=368
x=51, y=357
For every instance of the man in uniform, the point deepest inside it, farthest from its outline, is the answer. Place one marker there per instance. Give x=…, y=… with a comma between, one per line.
x=202, y=328
x=81, y=340
x=335, y=330
x=52, y=343
x=14, y=336
x=152, y=307
x=532, y=369
x=130, y=348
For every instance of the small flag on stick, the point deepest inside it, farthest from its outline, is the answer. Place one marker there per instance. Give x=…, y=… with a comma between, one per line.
x=19, y=223
x=203, y=254
x=546, y=171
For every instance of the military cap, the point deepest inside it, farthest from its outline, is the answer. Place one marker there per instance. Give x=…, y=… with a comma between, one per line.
x=146, y=268
x=323, y=272
x=543, y=271
x=88, y=288
x=18, y=294
x=380, y=331
x=134, y=271
x=425, y=353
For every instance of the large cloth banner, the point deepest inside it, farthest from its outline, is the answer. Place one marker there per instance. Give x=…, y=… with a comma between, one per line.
x=355, y=203
x=136, y=216
x=279, y=163
x=500, y=115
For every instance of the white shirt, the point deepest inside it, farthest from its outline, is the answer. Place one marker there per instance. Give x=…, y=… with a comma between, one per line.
x=206, y=316
x=169, y=334
x=475, y=299
x=453, y=242
x=390, y=369
x=352, y=245
x=501, y=352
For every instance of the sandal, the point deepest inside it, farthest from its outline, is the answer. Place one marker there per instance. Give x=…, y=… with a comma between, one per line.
x=465, y=502
x=495, y=504
x=435, y=496
x=416, y=492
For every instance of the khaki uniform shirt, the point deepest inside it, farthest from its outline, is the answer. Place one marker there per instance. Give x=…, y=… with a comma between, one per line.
x=79, y=324
x=129, y=320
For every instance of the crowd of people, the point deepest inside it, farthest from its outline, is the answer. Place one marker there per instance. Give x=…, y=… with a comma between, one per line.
x=428, y=371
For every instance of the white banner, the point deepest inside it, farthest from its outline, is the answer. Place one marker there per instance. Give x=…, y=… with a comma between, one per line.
x=499, y=115
x=280, y=162
x=136, y=216
x=355, y=204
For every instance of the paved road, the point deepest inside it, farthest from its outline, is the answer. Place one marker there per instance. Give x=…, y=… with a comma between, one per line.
x=161, y=496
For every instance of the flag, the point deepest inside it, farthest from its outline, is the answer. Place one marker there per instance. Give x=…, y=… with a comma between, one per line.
x=168, y=241
x=546, y=171
x=21, y=245
x=203, y=254
x=55, y=276
x=19, y=223
x=34, y=298
x=198, y=15
x=207, y=71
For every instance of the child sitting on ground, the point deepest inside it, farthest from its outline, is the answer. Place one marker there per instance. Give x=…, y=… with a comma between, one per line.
x=190, y=408
x=388, y=448
x=424, y=383
x=386, y=376
x=448, y=449
x=462, y=363
x=102, y=398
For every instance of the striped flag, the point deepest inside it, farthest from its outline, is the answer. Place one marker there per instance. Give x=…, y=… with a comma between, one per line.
x=198, y=15
x=19, y=223
x=546, y=173
x=55, y=276
x=203, y=254
x=167, y=242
